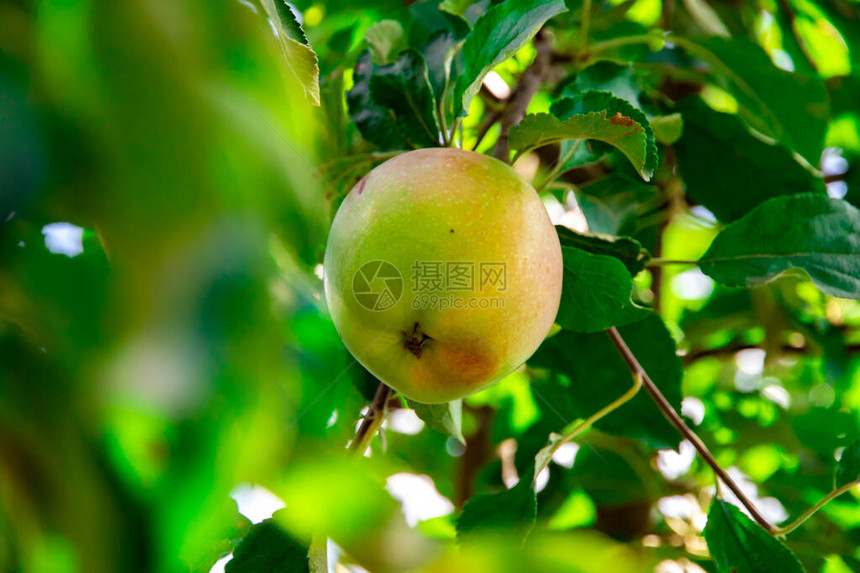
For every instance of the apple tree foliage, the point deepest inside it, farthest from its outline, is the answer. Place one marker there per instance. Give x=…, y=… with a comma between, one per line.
x=168, y=174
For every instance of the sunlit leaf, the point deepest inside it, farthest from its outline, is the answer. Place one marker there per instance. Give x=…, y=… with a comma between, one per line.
x=592, y=115
x=300, y=57
x=811, y=232
x=386, y=39
x=595, y=293
x=495, y=37
x=446, y=418
x=738, y=545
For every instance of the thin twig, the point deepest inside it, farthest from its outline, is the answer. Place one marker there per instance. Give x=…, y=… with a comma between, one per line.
x=529, y=84
x=782, y=531
x=555, y=171
x=657, y=261
x=591, y=420
x=673, y=417
x=371, y=422
x=583, y=26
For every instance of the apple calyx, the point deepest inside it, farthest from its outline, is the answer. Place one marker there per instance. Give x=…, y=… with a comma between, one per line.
x=415, y=341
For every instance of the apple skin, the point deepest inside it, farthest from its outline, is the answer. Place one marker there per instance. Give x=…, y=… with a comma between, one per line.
x=449, y=206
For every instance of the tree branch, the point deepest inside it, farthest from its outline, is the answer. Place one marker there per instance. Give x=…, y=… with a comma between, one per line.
x=735, y=348
x=371, y=422
x=673, y=417
x=528, y=86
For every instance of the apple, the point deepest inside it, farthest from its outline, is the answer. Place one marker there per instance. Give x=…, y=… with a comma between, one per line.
x=442, y=272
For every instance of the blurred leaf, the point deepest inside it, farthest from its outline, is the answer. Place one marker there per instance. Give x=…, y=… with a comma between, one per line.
x=579, y=551
x=811, y=232
x=848, y=468
x=728, y=170
x=353, y=512
x=495, y=37
x=445, y=418
x=301, y=58
x=789, y=107
x=708, y=20
x=512, y=511
x=595, y=293
x=404, y=88
x=373, y=120
x=608, y=477
x=668, y=128
x=738, y=545
x=625, y=249
x=585, y=389
x=592, y=115
x=386, y=39
x=267, y=548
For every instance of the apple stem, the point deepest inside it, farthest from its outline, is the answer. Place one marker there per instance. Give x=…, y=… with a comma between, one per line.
x=372, y=420
x=673, y=417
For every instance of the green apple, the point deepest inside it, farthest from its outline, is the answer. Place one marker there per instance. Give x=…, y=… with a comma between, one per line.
x=442, y=272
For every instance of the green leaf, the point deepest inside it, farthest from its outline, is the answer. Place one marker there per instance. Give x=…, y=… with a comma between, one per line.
x=618, y=79
x=495, y=37
x=791, y=108
x=610, y=478
x=618, y=110
x=579, y=387
x=375, y=122
x=728, y=170
x=625, y=249
x=445, y=418
x=738, y=545
x=441, y=64
x=386, y=39
x=848, y=468
x=269, y=549
x=592, y=115
x=706, y=18
x=404, y=88
x=620, y=205
x=300, y=57
x=811, y=232
x=575, y=154
x=512, y=511
x=595, y=293
x=668, y=128
x=429, y=17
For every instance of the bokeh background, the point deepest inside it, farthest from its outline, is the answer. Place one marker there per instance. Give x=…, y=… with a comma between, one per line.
x=166, y=359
